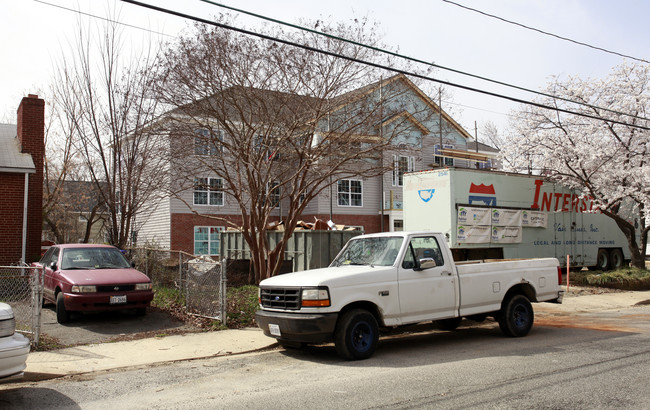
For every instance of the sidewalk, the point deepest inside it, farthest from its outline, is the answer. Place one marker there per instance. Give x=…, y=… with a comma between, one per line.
x=106, y=356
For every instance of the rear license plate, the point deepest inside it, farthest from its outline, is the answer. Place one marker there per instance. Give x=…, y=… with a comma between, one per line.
x=274, y=330
x=116, y=300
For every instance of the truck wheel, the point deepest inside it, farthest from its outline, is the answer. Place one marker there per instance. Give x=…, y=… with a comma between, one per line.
x=516, y=316
x=616, y=260
x=448, y=324
x=602, y=260
x=62, y=315
x=356, y=335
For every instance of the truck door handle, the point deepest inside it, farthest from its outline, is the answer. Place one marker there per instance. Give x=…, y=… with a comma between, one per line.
x=445, y=273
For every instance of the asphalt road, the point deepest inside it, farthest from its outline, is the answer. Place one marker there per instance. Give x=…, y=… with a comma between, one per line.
x=575, y=364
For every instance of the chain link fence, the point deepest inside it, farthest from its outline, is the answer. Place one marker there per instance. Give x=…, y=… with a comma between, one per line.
x=22, y=288
x=200, y=282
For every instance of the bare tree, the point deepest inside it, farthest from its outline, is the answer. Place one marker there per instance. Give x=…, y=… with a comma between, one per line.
x=280, y=124
x=107, y=105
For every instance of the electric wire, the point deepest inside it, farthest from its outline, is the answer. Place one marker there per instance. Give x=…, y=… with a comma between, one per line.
x=419, y=61
x=547, y=33
x=375, y=65
x=103, y=18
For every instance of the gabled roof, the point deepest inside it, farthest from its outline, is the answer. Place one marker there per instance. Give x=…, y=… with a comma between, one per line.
x=359, y=93
x=298, y=105
x=12, y=160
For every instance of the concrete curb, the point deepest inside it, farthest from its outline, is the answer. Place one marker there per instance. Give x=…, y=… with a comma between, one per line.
x=107, y=356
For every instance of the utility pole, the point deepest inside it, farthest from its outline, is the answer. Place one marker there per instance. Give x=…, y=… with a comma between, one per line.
x=440, y=123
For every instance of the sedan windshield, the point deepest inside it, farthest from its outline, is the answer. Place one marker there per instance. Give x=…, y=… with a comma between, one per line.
x=380, y=251
x=93, y=258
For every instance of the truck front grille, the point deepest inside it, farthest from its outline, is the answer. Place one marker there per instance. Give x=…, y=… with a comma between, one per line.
x=280, y=298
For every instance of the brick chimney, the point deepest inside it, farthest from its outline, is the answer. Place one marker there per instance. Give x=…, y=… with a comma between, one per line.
x=31, y=135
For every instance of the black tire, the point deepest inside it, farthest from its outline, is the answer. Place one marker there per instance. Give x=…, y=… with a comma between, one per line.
x=356, y=335
x=62, y=315
x=602, y=260
x=616, y=260
x=448, y=324
x=516, y=316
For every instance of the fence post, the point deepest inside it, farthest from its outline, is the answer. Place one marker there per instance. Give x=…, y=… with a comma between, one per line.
x=224, y=290
x=37, y=298
x=180, y=266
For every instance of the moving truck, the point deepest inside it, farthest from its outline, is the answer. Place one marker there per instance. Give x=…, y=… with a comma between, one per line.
x=497, y=215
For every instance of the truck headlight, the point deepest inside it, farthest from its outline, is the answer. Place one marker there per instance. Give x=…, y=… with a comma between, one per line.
x=315, y=297
x=84, y=289
x=143, y=286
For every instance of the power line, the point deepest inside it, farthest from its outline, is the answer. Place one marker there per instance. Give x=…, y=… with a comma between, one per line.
x=103, y=18
x=416, y=60
x=372, y=64
x=547, y=33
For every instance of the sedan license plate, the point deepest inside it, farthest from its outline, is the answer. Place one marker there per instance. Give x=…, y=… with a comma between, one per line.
x=274, y=330
x=116, y=300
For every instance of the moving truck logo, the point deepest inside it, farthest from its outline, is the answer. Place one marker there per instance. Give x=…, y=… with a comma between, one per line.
x=426, y=194
x=482, y=193
x=559, y=201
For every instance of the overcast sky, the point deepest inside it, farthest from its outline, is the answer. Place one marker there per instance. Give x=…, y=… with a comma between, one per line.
x=33, y=34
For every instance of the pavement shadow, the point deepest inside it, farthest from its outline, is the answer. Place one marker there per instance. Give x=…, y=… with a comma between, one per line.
x=100, y=327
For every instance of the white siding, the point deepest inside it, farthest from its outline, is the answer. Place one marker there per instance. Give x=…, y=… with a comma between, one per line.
x=155, y=224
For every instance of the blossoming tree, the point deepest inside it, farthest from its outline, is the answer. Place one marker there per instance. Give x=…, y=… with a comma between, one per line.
x=602, y=151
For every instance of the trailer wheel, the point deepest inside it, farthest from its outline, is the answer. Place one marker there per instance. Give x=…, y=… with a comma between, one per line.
x=602, y=260
x=516, y=316
x=448, y=324
x=356, y=335
x=616, y=259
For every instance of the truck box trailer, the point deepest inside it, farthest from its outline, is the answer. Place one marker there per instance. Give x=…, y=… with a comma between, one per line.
x=497, y=215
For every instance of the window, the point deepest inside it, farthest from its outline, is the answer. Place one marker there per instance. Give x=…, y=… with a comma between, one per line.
x=401, y=165
x=274, y=191
x=263, y=145
x=350, y=192
x=206, y=240
x=485, y=165
x=208, y=191
x=208, y=143
x=422, y=248
x=448, y=162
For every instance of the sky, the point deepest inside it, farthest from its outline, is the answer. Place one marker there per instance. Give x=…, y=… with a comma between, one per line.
x=36, y=33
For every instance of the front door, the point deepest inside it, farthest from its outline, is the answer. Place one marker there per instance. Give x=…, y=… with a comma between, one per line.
x=427, y=294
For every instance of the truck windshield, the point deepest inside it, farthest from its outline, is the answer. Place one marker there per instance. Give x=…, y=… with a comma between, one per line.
x=380, y=251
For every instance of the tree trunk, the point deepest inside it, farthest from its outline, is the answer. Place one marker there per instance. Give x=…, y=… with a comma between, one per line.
x=637, y=254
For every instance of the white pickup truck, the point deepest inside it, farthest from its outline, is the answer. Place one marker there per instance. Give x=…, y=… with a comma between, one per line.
x=400, y=278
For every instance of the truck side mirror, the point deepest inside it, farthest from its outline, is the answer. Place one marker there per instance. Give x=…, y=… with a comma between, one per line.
x=426, y=263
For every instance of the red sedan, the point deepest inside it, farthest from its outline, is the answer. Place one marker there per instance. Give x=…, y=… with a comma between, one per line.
x=86, y=277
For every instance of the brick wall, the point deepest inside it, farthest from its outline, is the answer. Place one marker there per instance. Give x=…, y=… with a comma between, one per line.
x=30, y=132
x=11, y=209
x=182, y=229
x=182, y=235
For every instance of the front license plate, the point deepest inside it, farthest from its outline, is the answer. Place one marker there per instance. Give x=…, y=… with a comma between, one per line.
x=274, y=330
x=116, y=300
